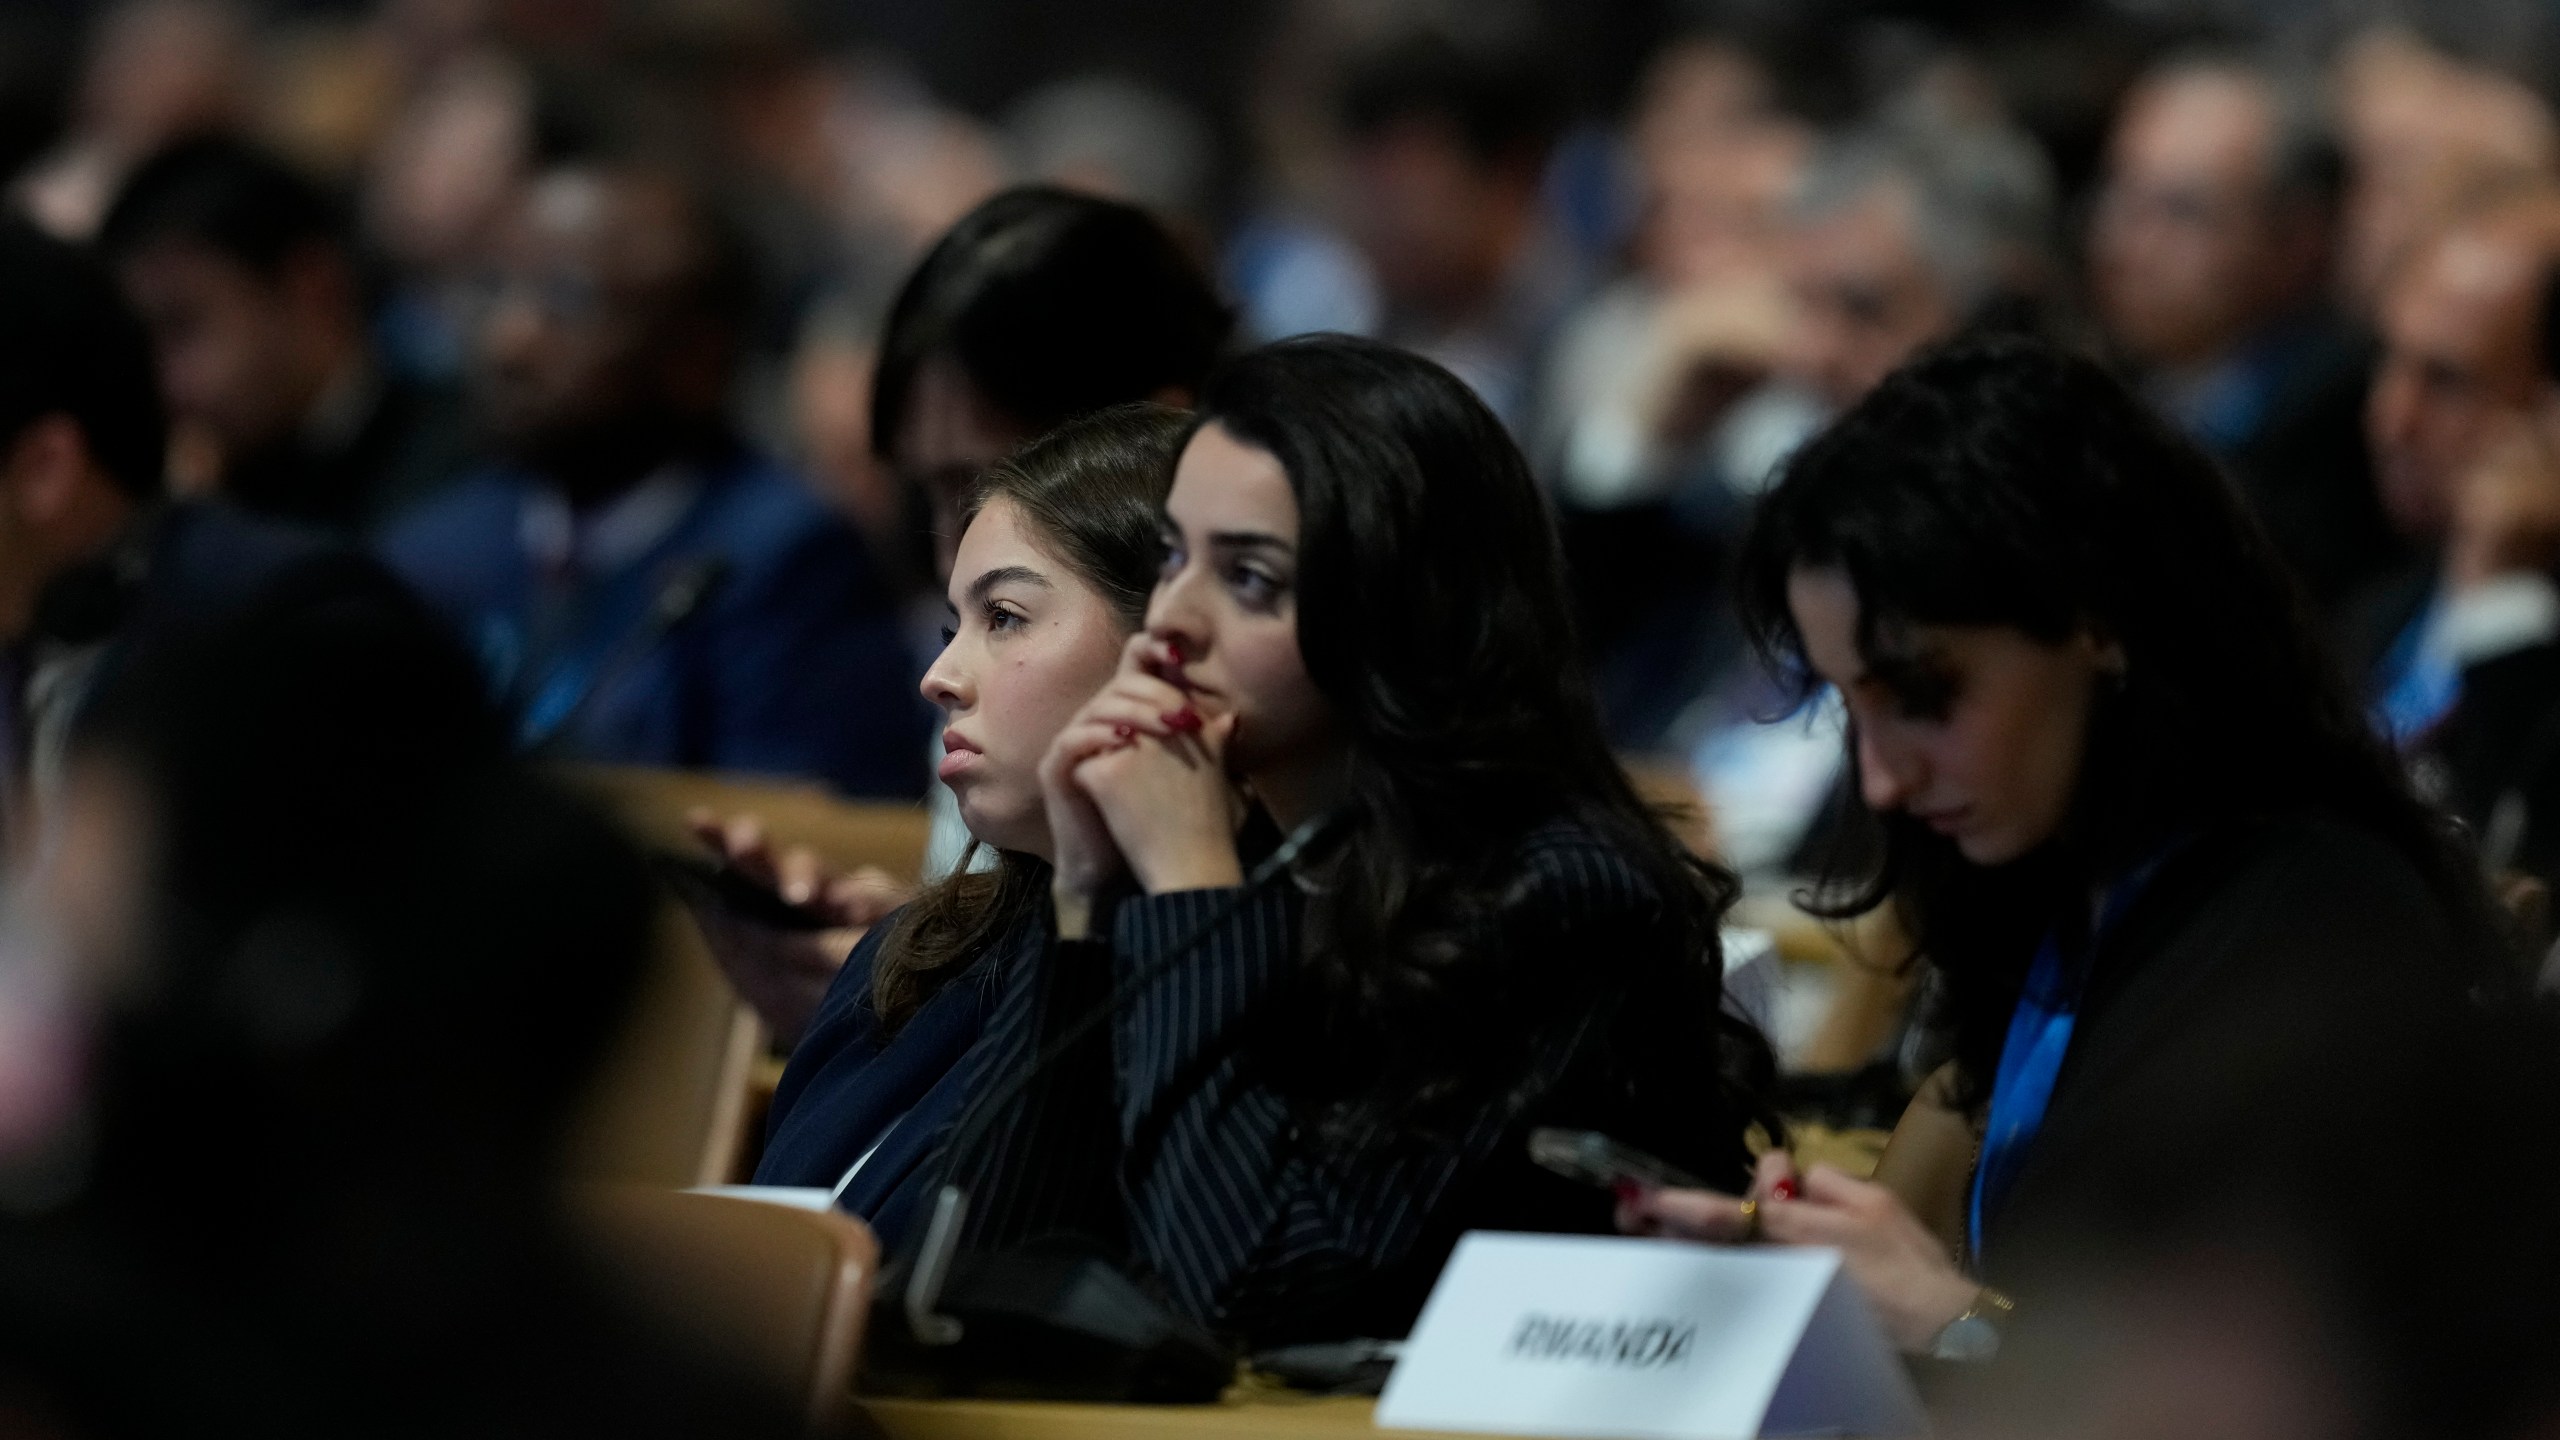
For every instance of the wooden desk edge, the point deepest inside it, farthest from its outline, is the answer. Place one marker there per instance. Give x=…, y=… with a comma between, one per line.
x=1276, y=1418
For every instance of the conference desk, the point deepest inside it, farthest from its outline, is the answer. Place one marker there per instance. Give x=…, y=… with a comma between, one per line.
x=1270, y=1415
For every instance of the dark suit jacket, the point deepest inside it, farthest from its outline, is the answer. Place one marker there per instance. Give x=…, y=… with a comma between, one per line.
x=2274, y=970
x=1171, y=1139
x=795, y=663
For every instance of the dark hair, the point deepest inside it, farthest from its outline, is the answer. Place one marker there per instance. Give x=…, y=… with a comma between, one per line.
x=225, y=195
x=70, y=346
x=2003, y=481
x=1052, y=304
x=1092, y=494
x=1431, y=613
x=1497, y=97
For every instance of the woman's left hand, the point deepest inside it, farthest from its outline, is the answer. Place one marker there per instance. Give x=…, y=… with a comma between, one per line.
x=1904, y=1272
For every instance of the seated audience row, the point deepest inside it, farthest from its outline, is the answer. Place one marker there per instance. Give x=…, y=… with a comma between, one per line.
x=1493, y=933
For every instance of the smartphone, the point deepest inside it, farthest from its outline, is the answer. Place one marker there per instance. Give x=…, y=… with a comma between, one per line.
x=1595, y=1159
x=701, y=880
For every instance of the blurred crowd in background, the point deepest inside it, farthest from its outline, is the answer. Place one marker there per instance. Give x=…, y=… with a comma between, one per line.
x=1663, y=240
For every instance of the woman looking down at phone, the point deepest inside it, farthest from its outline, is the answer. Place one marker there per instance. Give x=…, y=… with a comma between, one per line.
x=1359, y=634
x=2177, y=903
x=1050, y=578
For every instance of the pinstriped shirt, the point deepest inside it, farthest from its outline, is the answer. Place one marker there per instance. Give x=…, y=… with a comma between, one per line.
x=1162, y=1141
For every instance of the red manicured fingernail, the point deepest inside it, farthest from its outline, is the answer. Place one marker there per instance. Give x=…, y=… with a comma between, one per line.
x=1629, y=1191
x=1125, y=732
x=1184, y=719
x=1173, y=647
x=1783, y=1190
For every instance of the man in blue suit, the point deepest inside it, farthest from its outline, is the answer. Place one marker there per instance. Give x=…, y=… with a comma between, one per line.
x=640, y=587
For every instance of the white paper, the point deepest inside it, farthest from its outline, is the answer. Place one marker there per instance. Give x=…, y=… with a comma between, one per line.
x=1646, y=1340
x=797, y=1197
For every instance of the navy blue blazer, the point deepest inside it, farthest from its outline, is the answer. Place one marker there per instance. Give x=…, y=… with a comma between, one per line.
x=793, y=663
x=848, y=1085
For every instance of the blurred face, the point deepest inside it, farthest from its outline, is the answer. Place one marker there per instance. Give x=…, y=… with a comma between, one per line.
x=1438, y=225
x=1865, y=297
x=1715, y=204
x=1030, y=643
x=1975, y=731
x=2187, y=254
x=1228, y=598
x=949, y=436
x=588, y=334
x=2458, y=333
x=71, y=921
x=240, y=354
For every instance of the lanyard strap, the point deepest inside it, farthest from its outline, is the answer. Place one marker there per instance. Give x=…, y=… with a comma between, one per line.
x=2031, y=1058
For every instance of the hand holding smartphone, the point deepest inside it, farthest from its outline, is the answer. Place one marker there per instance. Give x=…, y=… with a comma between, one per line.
x=702, y=881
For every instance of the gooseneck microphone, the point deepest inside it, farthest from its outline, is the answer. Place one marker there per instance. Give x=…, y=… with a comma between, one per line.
x=1078, y=1326
x=688, y=589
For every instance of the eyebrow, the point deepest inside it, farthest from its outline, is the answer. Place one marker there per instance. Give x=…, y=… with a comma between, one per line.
x=1250, y=540
x=1005, y=575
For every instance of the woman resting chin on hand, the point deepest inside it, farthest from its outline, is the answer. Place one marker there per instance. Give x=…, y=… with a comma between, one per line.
x=1906, y=1274
x=1308, y=1089
x=1138, y=782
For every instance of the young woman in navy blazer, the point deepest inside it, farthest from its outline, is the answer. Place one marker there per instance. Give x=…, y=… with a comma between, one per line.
x=1052, y=571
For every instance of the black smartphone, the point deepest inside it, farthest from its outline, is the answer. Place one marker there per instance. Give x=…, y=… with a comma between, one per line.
x=701, y=880
x=1595, y=1159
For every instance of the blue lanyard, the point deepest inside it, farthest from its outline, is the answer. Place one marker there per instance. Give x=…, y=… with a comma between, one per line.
x=2031, y=1059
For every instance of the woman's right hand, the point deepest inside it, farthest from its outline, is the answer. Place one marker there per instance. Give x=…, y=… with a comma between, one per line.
x=783, y=974
x=1906, y=1274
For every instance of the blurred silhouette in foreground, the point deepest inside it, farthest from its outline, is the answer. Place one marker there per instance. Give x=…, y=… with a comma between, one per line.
x=341, y=969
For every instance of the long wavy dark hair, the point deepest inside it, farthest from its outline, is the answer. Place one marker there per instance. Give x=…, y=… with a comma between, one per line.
x=1091, y=492
x=1432, y=614
x=2003, y=481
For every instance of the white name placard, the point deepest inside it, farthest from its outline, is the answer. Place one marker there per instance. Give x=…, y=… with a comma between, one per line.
x=1571, y=1335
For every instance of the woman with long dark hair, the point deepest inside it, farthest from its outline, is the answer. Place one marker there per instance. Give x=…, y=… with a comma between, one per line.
x=1361, y=620
x=1057, y=549
x=2177, y=903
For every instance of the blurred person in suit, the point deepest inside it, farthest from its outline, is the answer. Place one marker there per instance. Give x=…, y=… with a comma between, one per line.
x=97, y=566
x=246, y=274
x=1445, y=144
x=2470, y=680
x=344, y=968
x=2212, y=256
x=1658, y=416
x=1898, y=236
x=2460, y=381
x=640, y=585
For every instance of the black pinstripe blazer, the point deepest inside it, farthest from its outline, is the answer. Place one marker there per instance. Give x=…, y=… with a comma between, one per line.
x=1162, y=1142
